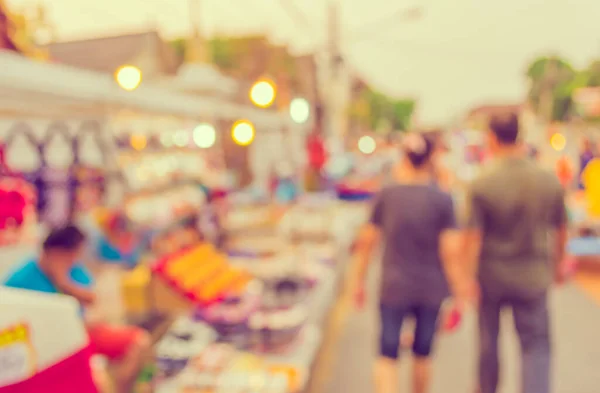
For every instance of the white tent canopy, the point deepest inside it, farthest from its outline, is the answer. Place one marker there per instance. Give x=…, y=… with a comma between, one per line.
x=67, y=83
x=203, y=78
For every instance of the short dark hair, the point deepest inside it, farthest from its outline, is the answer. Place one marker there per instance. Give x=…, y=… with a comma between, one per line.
x=505, y=127
x=67, y=238
x=418, y=149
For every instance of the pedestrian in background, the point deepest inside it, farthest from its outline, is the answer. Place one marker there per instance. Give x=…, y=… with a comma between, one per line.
x=415, y=221
x=513, y=208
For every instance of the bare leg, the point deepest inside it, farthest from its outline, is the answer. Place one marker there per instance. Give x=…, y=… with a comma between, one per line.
x=127, y=369
x=386, y=375
x=421, y=373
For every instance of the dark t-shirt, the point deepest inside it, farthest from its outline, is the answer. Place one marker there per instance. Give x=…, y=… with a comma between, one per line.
x=411, y=218
x=517, y=205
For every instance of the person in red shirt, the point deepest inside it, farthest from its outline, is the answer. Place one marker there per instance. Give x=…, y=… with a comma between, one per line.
x=317, y=157
x=564, y=171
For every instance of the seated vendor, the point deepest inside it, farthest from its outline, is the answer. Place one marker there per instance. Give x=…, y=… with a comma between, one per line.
x=55, y=271
x=120, y=244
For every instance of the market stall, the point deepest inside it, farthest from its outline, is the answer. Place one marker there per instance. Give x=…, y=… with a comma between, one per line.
x=140, y=161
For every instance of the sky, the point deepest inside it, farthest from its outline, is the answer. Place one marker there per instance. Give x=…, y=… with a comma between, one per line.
x=458, y=54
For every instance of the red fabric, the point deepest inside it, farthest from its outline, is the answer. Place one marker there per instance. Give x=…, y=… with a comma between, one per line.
x=112, y=341
x=72, y=375
x=453, y=320
x=317, y=154
x=564, y=171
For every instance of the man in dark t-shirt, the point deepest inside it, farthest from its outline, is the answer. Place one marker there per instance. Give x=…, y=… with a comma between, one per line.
x=514, y=208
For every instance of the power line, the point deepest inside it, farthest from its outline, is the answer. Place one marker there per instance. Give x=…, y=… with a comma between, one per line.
x=401, y=15
x=296, y=14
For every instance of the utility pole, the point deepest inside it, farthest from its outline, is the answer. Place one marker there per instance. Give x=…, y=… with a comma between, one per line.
x=196, y=51
x=337, y=78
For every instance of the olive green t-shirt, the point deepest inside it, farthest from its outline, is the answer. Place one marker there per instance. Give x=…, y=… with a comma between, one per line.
x=517, y=205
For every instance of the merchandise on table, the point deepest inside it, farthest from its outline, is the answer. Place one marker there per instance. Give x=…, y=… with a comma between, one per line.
x=203, y=275
x=246, y=217
x=231, y=317
x=190, y=360
x=18, y=220
x=184, y=340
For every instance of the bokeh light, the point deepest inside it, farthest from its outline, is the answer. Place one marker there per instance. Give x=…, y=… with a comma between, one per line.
x=128, y=77
x=299, y=110
x=558, y=142
x=138, y=142
x=339, y=166
x=367, y=144
x=262, y=93
x=204, y=135
x=181, y=139
x=242, y=132
x=166, y=139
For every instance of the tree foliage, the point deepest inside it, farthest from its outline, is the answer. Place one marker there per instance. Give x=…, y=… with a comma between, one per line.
x=244, y=56
x=553, y=81
x=373, y=109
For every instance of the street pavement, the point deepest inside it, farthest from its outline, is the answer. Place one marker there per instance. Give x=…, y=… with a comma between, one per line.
x=576, y=328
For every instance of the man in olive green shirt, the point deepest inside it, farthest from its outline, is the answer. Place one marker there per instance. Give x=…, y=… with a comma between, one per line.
x=516, y=210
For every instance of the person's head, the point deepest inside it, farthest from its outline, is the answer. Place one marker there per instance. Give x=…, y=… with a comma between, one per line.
x=586, y=145
x=417, y=152
x=63, y=246
x=118, y=225
x=504, y=131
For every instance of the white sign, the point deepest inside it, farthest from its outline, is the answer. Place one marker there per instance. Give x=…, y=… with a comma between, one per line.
x=15, y=363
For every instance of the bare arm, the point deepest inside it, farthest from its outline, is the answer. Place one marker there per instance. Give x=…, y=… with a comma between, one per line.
x=367, y=241
x=450, y=247
x=68, y=287
x=450, y=243
x=472, y=240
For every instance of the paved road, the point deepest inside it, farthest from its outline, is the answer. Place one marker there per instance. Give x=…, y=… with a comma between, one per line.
x=577, y=347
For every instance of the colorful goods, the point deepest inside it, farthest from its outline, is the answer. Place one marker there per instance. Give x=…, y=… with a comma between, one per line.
x=17, y=211
x=203, y=275
x=230, y=317
x=119, y=243
x=184, y=341
x=134, y=287
x=591, y=180
x=220, y=368
x=91, y=186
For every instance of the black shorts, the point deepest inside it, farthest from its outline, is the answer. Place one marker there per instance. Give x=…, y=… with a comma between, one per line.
x=392, y=318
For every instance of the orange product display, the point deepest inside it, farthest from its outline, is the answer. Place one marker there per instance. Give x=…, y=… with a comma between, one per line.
x=202, y=274
x=292, y=373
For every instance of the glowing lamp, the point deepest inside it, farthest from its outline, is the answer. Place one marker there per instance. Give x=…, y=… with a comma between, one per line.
x=243, y=132
x=128, y=77
x=558, y=142
x=367, y=144
x=299, y=110
x=262, y=93
x=204, y=136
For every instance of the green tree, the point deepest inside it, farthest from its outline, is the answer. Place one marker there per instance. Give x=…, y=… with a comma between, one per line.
x=222, y=54
x=179, y=44
x=552, y=82
x=402, y=114
x=592, y=74
x=372, y=109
